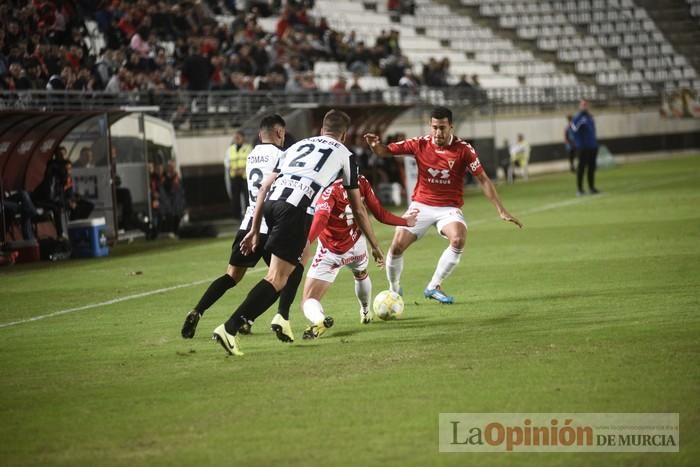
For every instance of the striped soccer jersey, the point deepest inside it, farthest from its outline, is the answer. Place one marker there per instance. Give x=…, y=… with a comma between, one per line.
x=309, y=166
x=260, y=163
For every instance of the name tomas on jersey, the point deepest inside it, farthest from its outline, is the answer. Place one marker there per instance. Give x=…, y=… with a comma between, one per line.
x=259, y=164
x=258, y=158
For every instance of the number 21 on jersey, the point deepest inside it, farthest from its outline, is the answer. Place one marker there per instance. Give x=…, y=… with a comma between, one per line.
x=306, y=153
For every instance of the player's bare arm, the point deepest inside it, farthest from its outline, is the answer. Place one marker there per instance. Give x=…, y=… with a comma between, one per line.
x=362, y=218
x=491, y=193
x=250, y=241
x=376, y=145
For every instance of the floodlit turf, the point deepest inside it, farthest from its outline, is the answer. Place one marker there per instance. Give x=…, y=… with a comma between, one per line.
x=592, y=307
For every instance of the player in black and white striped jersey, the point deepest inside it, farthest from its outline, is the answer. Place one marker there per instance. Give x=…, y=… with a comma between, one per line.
x=306, y=169
x=261, y=162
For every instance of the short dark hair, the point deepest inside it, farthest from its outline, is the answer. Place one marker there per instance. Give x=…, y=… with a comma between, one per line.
x=270, y=121
x=440, y=113
x=336, y=122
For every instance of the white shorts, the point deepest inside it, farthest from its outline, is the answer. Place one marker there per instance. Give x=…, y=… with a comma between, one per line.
x=326, y=264
x=433, y=215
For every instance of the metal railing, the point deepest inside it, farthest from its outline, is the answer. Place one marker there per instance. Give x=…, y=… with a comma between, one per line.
x=226, y=109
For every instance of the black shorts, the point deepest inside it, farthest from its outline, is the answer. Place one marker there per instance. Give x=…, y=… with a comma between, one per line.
x=288, y=228
x=241, y=260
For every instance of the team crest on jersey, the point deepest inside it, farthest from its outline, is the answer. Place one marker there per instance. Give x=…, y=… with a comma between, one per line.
x=451, y=163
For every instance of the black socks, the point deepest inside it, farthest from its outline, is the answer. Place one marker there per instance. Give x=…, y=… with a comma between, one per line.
x=290, y=291
x=214, y=292
x=259, y=299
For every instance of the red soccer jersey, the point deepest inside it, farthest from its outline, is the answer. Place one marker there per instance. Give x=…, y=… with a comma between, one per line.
x=440, y=169
x=333, y=219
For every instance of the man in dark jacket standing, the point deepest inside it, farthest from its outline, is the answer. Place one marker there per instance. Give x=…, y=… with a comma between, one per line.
x=586, y=142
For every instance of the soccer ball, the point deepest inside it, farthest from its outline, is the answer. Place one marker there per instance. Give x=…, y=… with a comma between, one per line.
x=388, y=305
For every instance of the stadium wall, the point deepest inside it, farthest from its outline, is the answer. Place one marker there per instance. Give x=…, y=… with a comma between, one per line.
x=630, y=132
x=624, y=132
x=627, y=131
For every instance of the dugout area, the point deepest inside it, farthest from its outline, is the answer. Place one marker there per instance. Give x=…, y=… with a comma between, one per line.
x=121, y=143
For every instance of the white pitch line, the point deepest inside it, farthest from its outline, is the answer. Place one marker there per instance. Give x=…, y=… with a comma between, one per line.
x=583, y=199
x=113, y=301
x=544, y=207
x=561, y=204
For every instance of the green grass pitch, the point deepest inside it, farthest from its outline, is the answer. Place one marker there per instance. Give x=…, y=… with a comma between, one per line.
x=593, y=307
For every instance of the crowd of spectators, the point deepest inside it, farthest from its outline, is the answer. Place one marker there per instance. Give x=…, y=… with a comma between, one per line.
x=163, y=45
x=42, y=46
x=169, y=45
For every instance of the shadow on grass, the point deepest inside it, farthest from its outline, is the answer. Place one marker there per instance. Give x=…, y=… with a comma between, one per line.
x=586, y=294
x=160, y=245
x=497, y=320
x=398, y=326
x=346, y=333
x=412, y=318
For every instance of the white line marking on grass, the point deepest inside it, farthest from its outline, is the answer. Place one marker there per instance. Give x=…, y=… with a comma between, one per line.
x=561, y=204
x=544, y=207
x=581, y=199
x=113, y=301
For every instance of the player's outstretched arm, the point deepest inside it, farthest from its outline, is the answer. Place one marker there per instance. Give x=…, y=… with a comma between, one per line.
x=491, y=193
x=322, y=213
x=376, y=145
x=319, y=224
x=381, y=214
x=360, y=213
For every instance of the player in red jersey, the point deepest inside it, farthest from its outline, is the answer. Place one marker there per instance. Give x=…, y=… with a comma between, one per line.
x=341, y=244
x=442, y=161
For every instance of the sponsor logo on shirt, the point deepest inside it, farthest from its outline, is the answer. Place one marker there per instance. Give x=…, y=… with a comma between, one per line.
x=439, y=176
x=296, y=184
x=350, y=260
